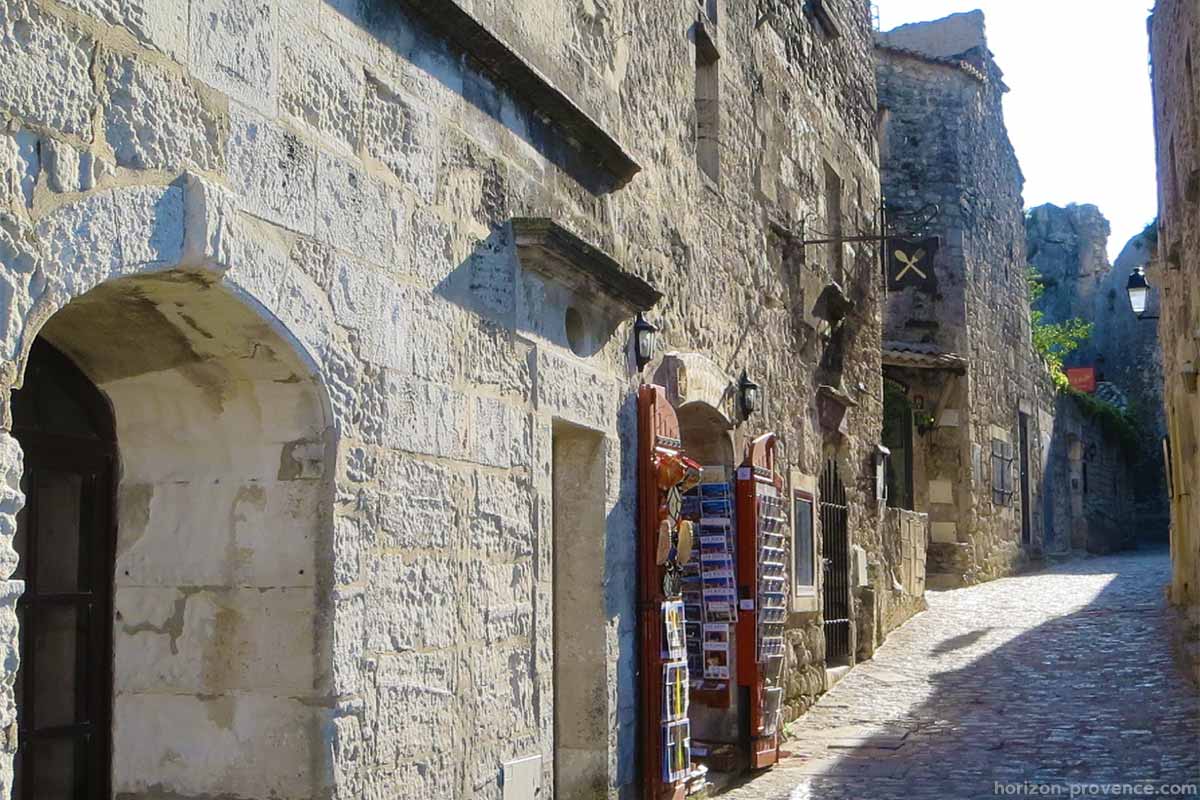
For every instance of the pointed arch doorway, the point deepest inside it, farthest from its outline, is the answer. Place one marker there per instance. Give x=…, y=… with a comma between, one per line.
x=65, y=539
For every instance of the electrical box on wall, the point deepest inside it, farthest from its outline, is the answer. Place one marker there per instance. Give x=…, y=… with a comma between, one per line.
x=522, y=779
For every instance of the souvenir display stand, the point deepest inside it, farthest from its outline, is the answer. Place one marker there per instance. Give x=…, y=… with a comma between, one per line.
x=762, y=595
x=665, y=540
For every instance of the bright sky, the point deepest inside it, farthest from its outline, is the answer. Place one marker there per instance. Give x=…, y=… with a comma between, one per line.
x=1079, y=110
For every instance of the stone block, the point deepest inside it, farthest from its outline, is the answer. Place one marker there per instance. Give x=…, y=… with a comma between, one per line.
x=574, y=392
x=495, y=358
x=46, y=65
x=158, y=24
x=397, y=326
x=273, y=170
x=321, y=87
x=107, y=233
x=62, y=163
x=500, y=433
x=232, y=47
x=416, y=708
x=412, y=603
x=503, y=523
x=20, y=165
x=402, y=136
x=503, y=697
x=422, y=417
x=358, y=214
x=430, y=248
x=155, y=119
x=498, y=603
x=418, y=505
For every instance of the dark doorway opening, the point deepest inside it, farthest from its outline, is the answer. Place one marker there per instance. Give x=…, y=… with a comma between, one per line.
x=898, y=438
x=835, y=546
x=65, y=537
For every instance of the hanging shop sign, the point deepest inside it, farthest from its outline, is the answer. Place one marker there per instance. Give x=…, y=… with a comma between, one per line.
x=910, y=264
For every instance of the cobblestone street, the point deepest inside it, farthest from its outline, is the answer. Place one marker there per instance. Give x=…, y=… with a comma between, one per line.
x=1059, y=677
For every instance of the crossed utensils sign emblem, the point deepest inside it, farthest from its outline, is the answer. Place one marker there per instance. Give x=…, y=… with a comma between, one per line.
x=910, y=263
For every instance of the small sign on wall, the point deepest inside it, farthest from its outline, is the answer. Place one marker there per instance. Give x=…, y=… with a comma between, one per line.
x=1082, y=379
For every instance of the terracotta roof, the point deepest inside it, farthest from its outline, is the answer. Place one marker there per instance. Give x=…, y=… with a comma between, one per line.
x=921, y=356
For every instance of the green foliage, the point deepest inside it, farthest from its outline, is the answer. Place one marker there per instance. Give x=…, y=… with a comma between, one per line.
x=1120, y=424
x=1054, y=341
x=1150, y=234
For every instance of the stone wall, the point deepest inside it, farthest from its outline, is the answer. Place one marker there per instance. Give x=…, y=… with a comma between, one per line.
x=343, y=177
x=1174, y=25
x=944, y=142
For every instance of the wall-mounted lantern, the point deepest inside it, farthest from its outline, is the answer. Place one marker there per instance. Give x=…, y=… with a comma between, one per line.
x=645, y=341
x=1139, y=293
x=748, y=395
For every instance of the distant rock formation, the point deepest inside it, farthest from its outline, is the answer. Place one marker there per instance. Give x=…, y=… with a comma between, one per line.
x=1068, y=247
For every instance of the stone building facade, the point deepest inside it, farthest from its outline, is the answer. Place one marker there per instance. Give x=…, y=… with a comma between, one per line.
x=971, y=414
x=1174, y=28
x=343, y=292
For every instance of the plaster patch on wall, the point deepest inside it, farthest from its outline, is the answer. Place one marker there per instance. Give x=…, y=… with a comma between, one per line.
x=943, y=532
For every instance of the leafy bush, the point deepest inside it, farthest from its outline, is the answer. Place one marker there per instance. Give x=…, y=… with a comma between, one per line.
x=1054, y=341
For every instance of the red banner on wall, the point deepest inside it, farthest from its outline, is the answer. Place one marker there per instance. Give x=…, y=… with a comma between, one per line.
x=1082, y=379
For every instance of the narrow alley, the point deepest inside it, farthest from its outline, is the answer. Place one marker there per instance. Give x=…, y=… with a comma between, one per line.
x=1059, y=678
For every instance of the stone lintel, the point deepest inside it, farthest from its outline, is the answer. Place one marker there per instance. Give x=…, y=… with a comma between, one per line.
x=546, y=247
x=456, y=24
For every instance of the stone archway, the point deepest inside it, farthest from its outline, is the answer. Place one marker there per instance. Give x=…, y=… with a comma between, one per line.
x=222, y=626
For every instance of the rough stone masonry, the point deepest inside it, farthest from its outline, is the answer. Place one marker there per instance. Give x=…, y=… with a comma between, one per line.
x=284, y=242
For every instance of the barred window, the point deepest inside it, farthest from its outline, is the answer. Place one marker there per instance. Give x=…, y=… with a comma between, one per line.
x=1002, y=472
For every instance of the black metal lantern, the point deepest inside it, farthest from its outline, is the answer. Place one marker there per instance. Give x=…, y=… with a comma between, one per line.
x=748, y=395
x=1139, y=291
x=645, y=340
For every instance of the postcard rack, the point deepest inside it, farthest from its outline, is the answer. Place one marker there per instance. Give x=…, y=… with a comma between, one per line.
x=762, y=594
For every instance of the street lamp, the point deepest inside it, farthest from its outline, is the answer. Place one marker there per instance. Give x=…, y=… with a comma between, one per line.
x=1139, y=293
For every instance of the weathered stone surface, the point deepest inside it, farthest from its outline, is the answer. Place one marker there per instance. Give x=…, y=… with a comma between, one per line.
x=402, y=135
x=160, y=24
x=272, y=170
x=322, y=88
x=232, y=47
x=46, y=64
x=401, y=614
x=1174, y=30
x=112, y=232
x=157, y=120
x=357, y=213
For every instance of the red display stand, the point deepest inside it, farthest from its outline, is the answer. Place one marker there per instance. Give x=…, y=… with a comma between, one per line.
x=762, y=594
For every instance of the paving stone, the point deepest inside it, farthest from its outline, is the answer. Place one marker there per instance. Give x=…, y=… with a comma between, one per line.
x=1061, y=677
